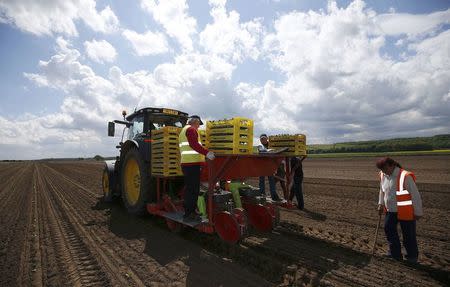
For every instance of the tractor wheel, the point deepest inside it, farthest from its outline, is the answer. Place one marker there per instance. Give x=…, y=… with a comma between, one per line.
x=135, y=177
x=107, y=188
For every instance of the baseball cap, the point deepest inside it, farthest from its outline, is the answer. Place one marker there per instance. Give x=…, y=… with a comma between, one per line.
x=198, y=118
x=263, y=136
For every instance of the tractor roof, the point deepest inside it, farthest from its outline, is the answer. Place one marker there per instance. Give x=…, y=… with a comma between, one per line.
x=157, y=112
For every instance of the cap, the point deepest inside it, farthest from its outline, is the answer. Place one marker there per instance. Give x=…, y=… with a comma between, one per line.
x=198, y=118
x=263, y=136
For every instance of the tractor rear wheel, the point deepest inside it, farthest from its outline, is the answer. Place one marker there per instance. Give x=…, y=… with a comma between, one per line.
x=106, y=184
x=135, y=177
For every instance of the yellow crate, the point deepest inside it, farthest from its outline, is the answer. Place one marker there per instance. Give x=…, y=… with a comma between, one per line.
x=288, y=138
x=230, y=131
x=166, y=156
x=163, y=148
x=165, y=131
x=202, y=134
x=166, y=140
x=296, y=144
x=228, y=138
x=229, y=145
x=237, y=122
x=167, y=172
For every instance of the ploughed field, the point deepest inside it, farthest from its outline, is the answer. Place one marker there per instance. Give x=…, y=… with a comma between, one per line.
x=54, y=231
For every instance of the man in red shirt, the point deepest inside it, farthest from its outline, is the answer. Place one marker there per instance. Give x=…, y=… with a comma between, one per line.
x=192, y=159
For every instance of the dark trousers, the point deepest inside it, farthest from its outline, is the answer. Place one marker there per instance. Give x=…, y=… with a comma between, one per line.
x=297, y=190
x=272, y=187
x=192, y=181
x=408, y=234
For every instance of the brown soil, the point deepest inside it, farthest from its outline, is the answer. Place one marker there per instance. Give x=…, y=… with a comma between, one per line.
x=55, y=231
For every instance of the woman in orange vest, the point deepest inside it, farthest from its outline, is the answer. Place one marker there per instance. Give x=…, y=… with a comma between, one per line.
x=400, y=200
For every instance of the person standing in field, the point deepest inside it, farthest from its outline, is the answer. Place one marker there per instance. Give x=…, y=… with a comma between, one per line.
x=262, y=148
x=399, y=198
x=297, y=188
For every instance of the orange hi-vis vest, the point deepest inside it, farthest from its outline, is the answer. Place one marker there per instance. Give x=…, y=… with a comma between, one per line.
x=405, y=208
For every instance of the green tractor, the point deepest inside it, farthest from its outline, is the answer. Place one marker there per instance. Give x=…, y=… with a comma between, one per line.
x=129, y=176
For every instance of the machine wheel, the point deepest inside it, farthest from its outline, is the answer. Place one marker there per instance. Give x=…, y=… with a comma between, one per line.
x=260, y=217
x=107, y=188
x=135, y=183
x=227, y=227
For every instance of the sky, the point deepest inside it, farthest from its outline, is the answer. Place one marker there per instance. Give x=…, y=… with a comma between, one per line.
x=333, y=70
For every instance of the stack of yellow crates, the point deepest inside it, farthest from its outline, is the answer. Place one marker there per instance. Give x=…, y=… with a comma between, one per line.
x=165, y=152
x=202, y=134
x=230, y=136
x=296, y=144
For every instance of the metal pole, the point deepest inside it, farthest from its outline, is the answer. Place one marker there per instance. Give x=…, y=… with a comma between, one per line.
x=376, y=235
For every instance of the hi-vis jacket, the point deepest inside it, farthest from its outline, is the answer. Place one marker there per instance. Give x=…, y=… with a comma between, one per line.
x=188, y=154
x=398, y=193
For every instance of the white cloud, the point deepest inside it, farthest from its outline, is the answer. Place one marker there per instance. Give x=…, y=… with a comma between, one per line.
x=91, y=100
x=148, y=43
x=57, y=17
x=100, y=51
x=229, y=38
x=338, y=85
x=173, y=16
x=410, y=24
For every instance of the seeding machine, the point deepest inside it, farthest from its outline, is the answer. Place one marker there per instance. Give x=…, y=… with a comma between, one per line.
x=148, y=178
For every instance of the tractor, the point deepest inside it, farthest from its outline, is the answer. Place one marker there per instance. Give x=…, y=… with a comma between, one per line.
x=129, y=175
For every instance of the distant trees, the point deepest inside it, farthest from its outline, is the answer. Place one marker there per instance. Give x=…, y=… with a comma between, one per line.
x=401, y=144
x=98, y=157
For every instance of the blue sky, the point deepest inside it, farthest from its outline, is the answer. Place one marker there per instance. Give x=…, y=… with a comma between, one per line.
x=334, y=70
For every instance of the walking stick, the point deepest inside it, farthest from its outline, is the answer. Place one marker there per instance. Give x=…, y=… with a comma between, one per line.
x=376, y=236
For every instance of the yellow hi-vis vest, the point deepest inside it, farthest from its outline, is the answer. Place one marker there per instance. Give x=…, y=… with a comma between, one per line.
x=188, y=155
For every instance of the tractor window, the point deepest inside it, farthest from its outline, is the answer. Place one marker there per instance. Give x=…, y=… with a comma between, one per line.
x=166, y=121
x=137, y=127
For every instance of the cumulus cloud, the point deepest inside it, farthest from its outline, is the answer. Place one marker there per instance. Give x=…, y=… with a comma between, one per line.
x=91, y=100
x=339, y=85
x=229, y=38
x=57, y=17
x=100, y=51
x=412, y=25
x=174, y=17
x=148, y=43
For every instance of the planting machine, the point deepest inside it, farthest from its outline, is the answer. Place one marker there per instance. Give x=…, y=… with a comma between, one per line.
x=144, y=177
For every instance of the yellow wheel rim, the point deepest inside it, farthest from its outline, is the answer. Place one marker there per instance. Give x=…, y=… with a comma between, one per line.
x=105, y=181
x=132, y=181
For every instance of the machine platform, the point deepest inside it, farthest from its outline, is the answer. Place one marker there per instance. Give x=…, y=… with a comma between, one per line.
x=178, y=217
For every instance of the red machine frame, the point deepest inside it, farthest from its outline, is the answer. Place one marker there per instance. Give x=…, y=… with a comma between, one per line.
x=224, y=167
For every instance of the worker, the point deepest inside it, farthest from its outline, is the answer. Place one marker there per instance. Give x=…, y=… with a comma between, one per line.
x=192, y=159
x=297, y=181
x=263, y=147
x=400, y=200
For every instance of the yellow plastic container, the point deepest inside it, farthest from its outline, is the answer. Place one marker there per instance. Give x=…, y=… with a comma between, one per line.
x=230, y=136
x=296, y=144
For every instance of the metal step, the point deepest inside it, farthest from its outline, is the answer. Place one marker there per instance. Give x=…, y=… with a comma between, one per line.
x=178, y=217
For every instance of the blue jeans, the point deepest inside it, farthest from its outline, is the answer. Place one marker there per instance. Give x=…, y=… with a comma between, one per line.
x=262, y=187
x=408, y=234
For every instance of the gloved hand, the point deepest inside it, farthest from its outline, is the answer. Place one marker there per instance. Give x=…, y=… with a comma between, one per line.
x=210, y=155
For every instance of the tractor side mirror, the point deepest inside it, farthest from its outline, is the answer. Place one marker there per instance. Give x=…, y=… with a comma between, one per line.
x=111, y=129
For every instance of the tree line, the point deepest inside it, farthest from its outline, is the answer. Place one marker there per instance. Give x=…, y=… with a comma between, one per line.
x=398, y=144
